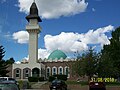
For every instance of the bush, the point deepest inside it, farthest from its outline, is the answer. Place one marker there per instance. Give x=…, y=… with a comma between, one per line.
x=20, y=83
x=51, y=78
x=23, y=84
x=61, y=77
x=33, y=79
x=41, y=78
x=84, y=83
x=113, y=83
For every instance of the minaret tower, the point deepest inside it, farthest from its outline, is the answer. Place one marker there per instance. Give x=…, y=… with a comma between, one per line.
x=33, y=29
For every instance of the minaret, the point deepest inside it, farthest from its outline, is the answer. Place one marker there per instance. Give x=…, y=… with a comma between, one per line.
x=33, y=29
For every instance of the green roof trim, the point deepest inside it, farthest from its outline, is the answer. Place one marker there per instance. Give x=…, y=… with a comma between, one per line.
x=57, y=54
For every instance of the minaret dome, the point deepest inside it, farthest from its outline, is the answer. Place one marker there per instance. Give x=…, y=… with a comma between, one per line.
x=33, y=13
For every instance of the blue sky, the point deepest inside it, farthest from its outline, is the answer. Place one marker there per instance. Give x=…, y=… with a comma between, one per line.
x=68, y=25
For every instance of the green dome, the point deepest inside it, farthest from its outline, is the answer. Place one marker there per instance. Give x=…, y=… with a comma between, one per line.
x=57, y=54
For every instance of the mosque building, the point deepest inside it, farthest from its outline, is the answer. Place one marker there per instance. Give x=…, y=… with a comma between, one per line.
x=56, y=63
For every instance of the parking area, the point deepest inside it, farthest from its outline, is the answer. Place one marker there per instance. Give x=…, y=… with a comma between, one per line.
x=83, y=88
x=76, y=87
x=45, y=86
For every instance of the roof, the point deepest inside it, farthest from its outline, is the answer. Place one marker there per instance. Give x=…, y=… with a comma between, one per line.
x=57, y=54
x=33, y=13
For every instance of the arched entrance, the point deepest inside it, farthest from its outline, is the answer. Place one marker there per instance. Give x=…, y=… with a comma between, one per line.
x=35, y=72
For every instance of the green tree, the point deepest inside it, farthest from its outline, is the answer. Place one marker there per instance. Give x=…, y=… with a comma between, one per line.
x=3, y=65
x=86, y=64
x=91, y=62
x=78, y=65
x=10, y=61
x=110, y=58
x=106, y=67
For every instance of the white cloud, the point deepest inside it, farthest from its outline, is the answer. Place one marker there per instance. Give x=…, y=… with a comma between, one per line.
x=18, y=62
x=71, y=42
x=21, y=37
x=55, y=8
x=25, y=58
x=43, y=53
x=97, y=36
x=68, y=42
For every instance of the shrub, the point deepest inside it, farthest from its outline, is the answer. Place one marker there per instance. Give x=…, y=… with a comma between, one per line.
x=33, y=79
x=23, y=84
x=61, y=77
x=113, y=83
x=20, y=83
x=41, y=78
x=84, y=83
x=51, y=78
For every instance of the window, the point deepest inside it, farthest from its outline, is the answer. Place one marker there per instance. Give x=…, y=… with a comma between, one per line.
x=26, y=73
x=54, y=71
x=48, y=71
x=60, y=70
x=17, y=73
x=67, y=71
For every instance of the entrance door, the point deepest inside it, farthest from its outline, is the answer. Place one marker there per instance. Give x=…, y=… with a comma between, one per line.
x=35, y=72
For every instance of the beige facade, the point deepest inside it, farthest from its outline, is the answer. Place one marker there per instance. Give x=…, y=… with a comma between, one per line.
x=25, y=70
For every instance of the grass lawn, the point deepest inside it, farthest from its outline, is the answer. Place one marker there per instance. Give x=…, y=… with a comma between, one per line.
x=83, y=83
x=72, y=84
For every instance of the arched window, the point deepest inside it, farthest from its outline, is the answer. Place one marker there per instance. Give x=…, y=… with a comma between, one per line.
x=60, y=70
x=67, y=72
x=48, y=71
x=17, y=73
x=26, y=73
x=54, y=70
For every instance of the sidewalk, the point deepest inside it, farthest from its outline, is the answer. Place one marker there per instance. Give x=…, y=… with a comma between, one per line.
x=38, y=85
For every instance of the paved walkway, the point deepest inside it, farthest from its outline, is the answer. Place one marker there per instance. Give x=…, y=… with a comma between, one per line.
x=38, y=85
